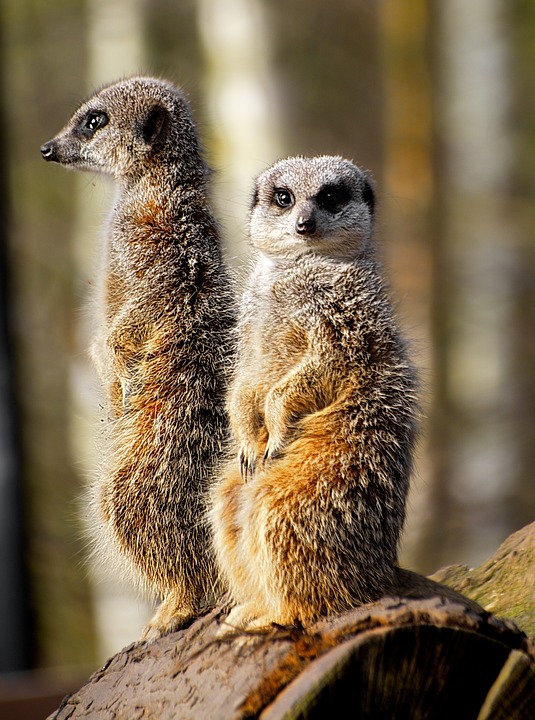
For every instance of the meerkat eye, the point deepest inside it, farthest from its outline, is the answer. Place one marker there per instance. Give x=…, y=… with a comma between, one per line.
x=283, y=198
x=94, y=121
x=333, y=198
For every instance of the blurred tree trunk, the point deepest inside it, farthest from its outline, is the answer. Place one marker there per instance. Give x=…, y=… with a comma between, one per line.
x=40, y=303
x=240, y=94
x=519, y=502
x=406, y=197
x=15, y=616
x=474, y=449
x=325, y=58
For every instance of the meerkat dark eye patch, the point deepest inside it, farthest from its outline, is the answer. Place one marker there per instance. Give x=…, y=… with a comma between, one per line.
x=333, y=198
x=93, y=121
x=283, y=198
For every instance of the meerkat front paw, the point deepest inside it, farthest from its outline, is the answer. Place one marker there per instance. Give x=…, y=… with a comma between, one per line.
x=250, y=449
x=276, y=425
x=276, y=442
x=275, y=445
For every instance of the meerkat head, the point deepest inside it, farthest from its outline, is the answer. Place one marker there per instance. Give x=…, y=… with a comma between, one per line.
x=324, y=205
x=127, y=129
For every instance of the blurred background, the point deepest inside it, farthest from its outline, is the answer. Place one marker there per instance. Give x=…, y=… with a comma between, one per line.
x=435, y=98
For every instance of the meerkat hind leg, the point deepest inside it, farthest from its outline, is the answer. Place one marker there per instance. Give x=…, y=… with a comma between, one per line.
x=172, y=614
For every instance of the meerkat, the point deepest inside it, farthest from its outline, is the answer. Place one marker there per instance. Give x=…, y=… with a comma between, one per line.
x=323, y=406
x=163, y=340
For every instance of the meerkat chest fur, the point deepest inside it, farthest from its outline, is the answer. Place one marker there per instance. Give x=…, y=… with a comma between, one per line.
x=274, y=336
x=331, y=309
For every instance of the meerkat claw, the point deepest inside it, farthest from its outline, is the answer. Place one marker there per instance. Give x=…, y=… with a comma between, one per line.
x=247, y=466
x=273, y=448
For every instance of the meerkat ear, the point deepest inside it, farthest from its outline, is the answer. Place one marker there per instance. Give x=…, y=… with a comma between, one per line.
x=154, y=125
x=368, y=195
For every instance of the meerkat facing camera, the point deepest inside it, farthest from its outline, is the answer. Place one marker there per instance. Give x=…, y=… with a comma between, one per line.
x=323, y=406
x=164, y=339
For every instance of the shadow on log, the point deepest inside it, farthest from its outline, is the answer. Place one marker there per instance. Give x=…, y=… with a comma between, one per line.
x=424, y=652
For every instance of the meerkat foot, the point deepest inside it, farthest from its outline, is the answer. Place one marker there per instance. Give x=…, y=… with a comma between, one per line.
x=237, y=619
x=171, y=615
x=246, y=619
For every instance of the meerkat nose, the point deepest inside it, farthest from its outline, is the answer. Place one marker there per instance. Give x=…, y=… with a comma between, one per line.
x=305, y=226
x=48, y=151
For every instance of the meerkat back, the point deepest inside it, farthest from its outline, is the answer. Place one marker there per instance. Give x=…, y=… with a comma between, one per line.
x=163, y=342
x=323, y=406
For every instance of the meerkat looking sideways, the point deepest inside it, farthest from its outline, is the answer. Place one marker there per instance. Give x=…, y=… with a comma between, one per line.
x=323, y=406
x=163, y=344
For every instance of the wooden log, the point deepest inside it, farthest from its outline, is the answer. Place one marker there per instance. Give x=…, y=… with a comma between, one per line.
x=424, y=651
x=505, y=583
